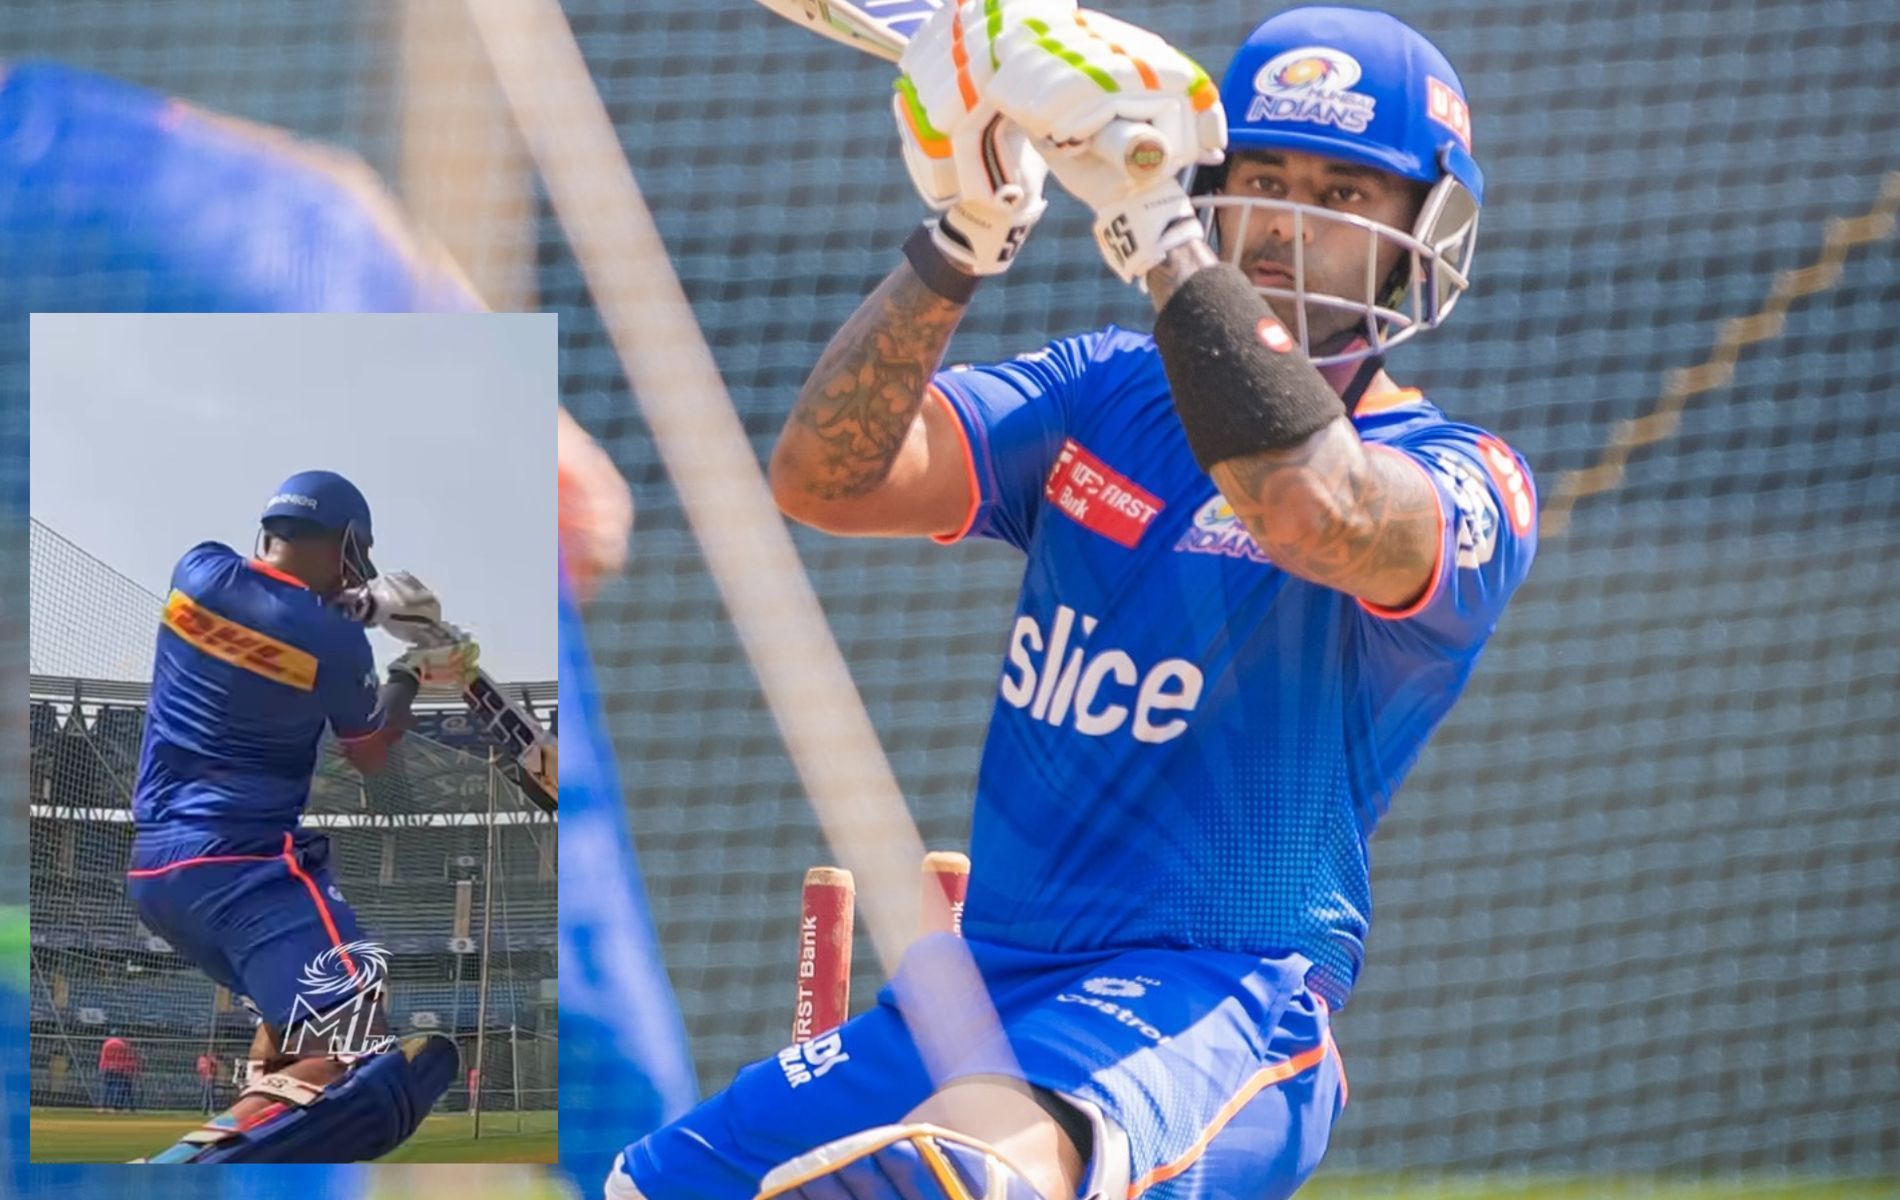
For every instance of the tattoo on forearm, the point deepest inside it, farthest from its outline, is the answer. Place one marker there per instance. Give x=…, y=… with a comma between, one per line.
x=856, y=408
x=1180, y=263
x=1368, y=524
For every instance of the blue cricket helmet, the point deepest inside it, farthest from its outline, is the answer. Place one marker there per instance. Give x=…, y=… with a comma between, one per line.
x=329, y=501
x=1363, y=86
x=1354, y=84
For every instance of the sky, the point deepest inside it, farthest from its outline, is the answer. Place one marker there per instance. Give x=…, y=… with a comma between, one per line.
x=152, y=433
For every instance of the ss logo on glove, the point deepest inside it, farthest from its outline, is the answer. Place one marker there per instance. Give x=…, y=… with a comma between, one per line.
x=1012, y=242
x=1120, y=238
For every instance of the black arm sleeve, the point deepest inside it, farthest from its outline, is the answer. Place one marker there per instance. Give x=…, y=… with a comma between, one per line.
x=1236, y=394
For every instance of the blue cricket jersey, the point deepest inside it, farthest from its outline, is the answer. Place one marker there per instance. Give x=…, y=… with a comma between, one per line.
x=1190, y=747
x=251, y=666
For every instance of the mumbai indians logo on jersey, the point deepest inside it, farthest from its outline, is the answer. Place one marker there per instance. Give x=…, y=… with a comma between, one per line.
x=1216, y=529
x=1311, y=84
x=1477, y=510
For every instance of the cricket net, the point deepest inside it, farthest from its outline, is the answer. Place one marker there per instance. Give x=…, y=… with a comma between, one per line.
x=1636, y=911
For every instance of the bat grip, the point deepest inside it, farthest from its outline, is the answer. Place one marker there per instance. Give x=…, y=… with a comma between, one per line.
x=1139, y=147
x=403, y=687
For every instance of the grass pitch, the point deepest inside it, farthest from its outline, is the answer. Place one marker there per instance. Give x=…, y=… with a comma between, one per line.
x=81, y=1135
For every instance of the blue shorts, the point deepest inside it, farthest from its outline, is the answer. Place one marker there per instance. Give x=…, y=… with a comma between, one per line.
x=1219, y=1067
x=252, y=921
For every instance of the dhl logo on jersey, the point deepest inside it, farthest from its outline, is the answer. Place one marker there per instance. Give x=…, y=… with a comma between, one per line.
x=225, y=639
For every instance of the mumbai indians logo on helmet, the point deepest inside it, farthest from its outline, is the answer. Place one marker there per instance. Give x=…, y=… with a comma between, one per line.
x=328, y=974
x=1311, y=84
x=1216, y=529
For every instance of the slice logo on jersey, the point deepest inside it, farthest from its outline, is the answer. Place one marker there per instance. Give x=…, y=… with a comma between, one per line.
x=1098, y=497
x=810, y=1060
x=1216, y=529
x=1443, y=106
x=1520, y=500
x=1059, y=679
x=1311, y=84
x=225, y=639
x=1477, y=526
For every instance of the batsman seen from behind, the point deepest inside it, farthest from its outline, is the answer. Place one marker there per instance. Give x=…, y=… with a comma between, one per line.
x=255, y=657
x=1260, y=573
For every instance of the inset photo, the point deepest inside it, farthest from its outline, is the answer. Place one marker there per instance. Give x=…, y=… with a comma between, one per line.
x=294, y=770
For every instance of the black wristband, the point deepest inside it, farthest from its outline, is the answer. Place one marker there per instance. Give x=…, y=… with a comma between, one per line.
x=936, y=272
x=1236, y=391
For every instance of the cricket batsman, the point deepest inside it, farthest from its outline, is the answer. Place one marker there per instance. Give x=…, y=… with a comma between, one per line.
x=1259, y=574
x=255, y=658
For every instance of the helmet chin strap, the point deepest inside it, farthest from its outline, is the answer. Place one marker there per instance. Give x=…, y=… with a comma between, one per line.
x=1369, y=368
x=1366, y=369
x=1352, y=387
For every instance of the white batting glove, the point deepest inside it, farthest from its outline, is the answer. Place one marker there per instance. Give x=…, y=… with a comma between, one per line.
x=972, y=167
x=424, y=633
x=395, y=596
x=453, y=663
x=1118, y=114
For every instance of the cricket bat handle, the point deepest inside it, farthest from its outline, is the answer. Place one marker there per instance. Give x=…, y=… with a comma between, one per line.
x=1139, y=147
x=405, y=686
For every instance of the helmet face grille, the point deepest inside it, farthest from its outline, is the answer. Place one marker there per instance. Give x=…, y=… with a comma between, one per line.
x=356, y=561
x=1375, y=313
x=1361, y=87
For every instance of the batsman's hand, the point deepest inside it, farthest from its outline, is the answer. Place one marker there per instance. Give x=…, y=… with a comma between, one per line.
x=596, y=509
x=392, y=599
x=1118, y=114
x=453, y=663
x=972, y=167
